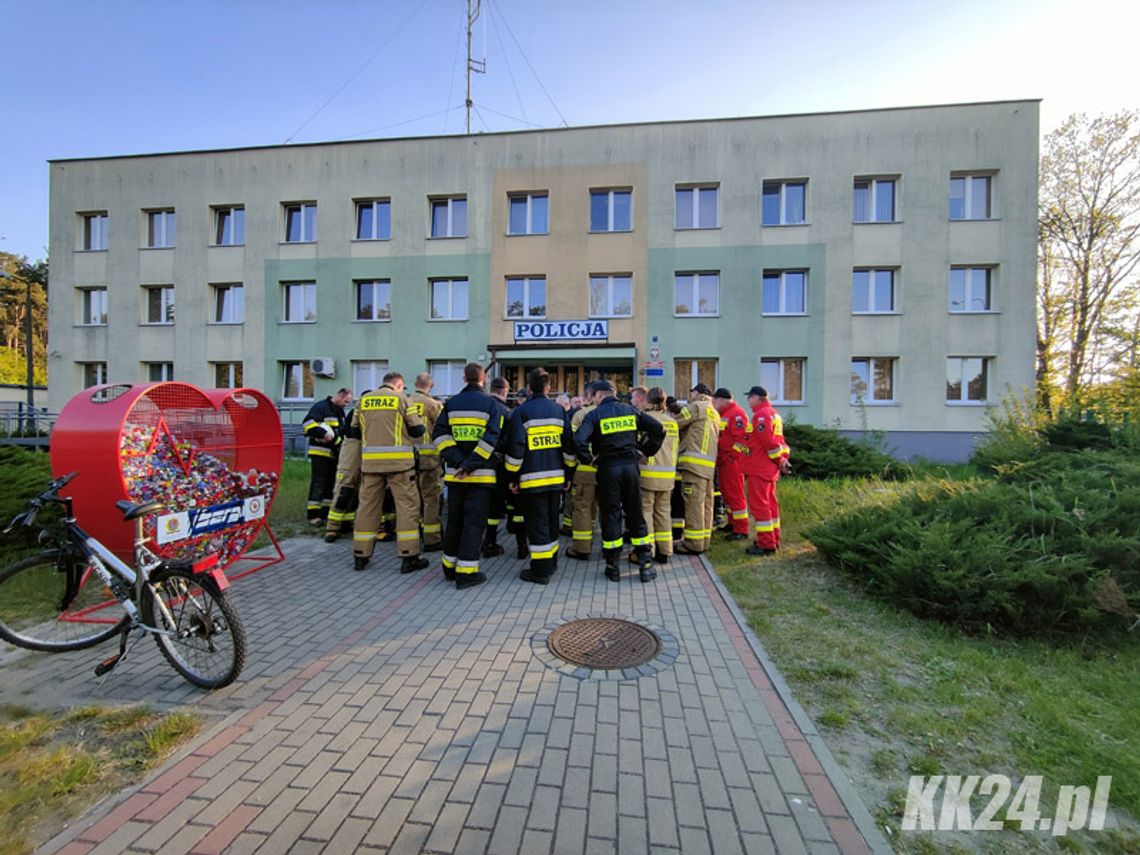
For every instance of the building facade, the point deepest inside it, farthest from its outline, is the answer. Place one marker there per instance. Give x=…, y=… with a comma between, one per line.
x=874, y=270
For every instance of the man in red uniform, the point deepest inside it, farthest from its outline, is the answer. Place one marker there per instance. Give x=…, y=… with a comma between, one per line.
x=766, y=461
x=734, y=430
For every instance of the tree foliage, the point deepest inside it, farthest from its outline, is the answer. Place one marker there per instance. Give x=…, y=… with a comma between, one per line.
x=13, y=308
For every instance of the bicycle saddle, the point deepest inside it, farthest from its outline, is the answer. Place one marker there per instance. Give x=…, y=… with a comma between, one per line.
x=132, y=511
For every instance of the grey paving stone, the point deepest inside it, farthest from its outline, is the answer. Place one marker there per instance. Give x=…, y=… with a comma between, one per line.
x=603, y=815
x=544, y=809
x=507, y=834
x=486, y=808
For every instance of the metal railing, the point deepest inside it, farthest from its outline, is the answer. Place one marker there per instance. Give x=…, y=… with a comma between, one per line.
x=24, y=425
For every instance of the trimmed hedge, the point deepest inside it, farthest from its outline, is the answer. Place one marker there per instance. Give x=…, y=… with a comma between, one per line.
x=818, y=454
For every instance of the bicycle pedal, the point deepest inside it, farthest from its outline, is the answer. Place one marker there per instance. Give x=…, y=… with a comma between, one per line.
x=106, y=665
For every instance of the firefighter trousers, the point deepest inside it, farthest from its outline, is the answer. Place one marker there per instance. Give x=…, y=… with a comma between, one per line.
x=765, y=510
x=698, y=495
x=657, y=508
x=619, y=496
x=584, y=510
x=430, y=481
x=540, y=518
x=467, y=507
x=322, y=476
x=346, y=489
x=407, y=498
x=732, y=488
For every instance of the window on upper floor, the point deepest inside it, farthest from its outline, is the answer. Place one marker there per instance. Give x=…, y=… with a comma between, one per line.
x=229, y=225
x=367, y=374
x=300, y=222
x=296, y=380
x=158, y=304
x=447, y=376
x=873, y=291
x=967, y=380
x=873, y=379
x=93, y=307
x=696, y=294
x=449, y=299
x=611, y=296
x=449, y=217
x=158, y=372
x=160, y=231
x=785, y=292
x=228, y=303
x=373, y=219
x=229, y=375
x=373, y=300
x=299, y=302
x=526, y=296
x=93, y=231
x=697, y=206
x=971, y=289
x=971, y=196
x=528, y=214
x=874, y=200
x=611, y=210
x=784, y=203
x=783, y=378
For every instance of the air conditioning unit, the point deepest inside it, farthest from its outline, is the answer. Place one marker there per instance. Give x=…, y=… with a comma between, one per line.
x=323, y=366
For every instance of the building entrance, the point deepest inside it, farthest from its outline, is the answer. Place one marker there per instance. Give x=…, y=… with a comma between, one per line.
x=572, y=378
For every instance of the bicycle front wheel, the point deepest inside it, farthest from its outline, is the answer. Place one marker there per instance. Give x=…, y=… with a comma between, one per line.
x=206, y=641
x=55, y=601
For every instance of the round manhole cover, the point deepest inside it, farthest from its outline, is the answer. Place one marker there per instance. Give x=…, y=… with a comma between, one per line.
x=604, y=643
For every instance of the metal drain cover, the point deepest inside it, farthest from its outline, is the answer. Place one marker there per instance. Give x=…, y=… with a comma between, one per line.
x=605, y=643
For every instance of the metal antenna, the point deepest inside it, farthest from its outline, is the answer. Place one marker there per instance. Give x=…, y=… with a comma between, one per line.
x=479, y=66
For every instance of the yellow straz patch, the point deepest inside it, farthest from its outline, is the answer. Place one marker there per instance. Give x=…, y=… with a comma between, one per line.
x=618, y=424
x=671, y=428
x=467, y=433
x=418, y=409
x=380, y=402
x=547, y=436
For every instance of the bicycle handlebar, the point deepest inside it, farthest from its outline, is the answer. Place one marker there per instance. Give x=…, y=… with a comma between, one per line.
x=28, y=517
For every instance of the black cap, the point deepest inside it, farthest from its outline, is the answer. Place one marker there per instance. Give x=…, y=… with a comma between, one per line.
x=722, y=393
x=757, y=390
x=700, y=387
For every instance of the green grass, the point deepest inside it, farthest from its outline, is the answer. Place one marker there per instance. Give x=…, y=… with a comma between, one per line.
x=896, y=695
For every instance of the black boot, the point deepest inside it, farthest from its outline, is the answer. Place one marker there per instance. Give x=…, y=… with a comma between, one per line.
x=521, y=548
x=613, y=572
x=359, y=563
x=491, y=546
x=412, y=563
x=647, y=573
x=468, y=580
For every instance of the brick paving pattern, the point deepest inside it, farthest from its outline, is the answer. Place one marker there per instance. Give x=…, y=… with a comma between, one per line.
x=388, y=713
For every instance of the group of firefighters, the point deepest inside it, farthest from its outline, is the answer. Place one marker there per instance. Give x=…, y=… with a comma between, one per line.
x=652, y=471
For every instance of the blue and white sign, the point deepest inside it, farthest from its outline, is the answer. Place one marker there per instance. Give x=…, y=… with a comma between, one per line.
x=183, y=524
x=562, y=330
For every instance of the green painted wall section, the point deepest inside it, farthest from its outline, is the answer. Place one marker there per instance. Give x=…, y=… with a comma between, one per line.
x=407, y=341
x=740, y=335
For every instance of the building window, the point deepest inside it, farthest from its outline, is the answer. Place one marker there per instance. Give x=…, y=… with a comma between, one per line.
x=374, y=300
x=300, y=222
x=688, y=372
x=971, y=289
x=94, y=373
x=611, y=210
x=967, y=380
x=159, y=372
x=159, y=304
x=697, y=207
x=229, y=226
x=297, y=381
x=970, y=197
x=528, y=214
x=228, y=304
x=300, y=302
x=872, y=380
x=874, y=200
x=449, y=299
x=611, y=296
x=94, y=307
x=785, y=203
x=160, y=229
x=447, y=375
x=526, y=297
x=449, y=217
x=374, y=219
x=696, y=294
x=785, y=292
x=367, y=374
x=784, y=379
x=94, y=230
x=873, y=291
x=229, y=375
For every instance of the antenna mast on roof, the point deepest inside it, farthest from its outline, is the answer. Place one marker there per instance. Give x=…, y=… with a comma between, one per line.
x=479, y=66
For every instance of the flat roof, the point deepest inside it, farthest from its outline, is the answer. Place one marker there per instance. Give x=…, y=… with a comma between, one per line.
x=545, y=130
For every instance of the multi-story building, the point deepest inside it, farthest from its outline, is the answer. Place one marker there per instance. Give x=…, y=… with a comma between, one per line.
x=873, y=269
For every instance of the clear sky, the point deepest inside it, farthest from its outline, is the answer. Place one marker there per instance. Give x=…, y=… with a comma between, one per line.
x=84, y=78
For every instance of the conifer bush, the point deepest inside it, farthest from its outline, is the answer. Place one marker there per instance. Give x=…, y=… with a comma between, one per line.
x=820, y=453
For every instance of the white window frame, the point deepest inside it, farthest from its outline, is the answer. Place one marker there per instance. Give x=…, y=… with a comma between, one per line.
x=100, y=373
x=783, y=184
x=161, y=228
x=527, y=282
x=451, y=281
x=873, y=183
x=93, y=231
x=693, y=370
x=528, y=198
x=970, y=200
x=450, y=226
x=217, y=313
x=609, y=279
x=694, y=205
x=964, y=385
x=375, y=205
x=782, y=276
x=232, y=381
x=378, y=286
x=610, y=193
x=166, y=307
x=375, y=369
x=165, y=372
x=453, y=371
x=871, y=400
x=303, y=366
x=968, y=289
x=93, y=312
x=872, y=308
x=306, y=213
x=229, y=236
x=693, y=278
x=776, y=390
x=308, y=298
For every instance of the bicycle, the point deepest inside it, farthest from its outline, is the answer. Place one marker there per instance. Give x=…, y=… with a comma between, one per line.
x=68, y=597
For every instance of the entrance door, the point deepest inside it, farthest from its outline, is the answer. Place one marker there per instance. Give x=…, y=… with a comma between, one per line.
x=571, y=378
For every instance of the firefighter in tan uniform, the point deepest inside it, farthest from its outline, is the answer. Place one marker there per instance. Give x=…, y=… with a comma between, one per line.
x=429, y=474
x=387, y=461
x=699, y=425
x=342, y=515
x=657, y=474
x=583, y=501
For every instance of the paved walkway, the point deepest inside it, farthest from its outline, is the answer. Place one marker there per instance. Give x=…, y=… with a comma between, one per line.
x=380, y=712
